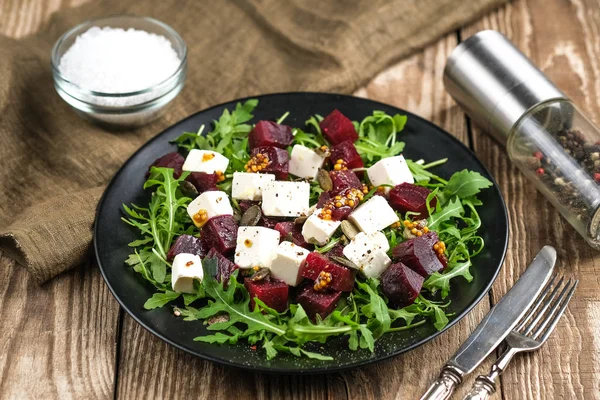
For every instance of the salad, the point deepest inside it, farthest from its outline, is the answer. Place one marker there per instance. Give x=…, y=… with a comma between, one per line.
x=281, y=236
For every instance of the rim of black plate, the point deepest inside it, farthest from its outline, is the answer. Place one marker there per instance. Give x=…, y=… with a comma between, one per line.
x=317, y=370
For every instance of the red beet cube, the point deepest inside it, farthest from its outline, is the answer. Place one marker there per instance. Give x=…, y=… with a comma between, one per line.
x=202, y=181
x=344, y=180
x=418, y=254
x=172, y=160
x=347, y=152
x=269, y=222
x=337, y=251
x=186, y=244
x=221, y=233
x=225, y=266
x=272, y=292
x=337, y=213
x=337, y=128
x=317, y=302
x=268, y=133
x=341, y=213
x=342, y=278
x=408, y=197
x=279, y=161
x=287, y=227
x=323, y=199
x=401, y=285
x=246, y=204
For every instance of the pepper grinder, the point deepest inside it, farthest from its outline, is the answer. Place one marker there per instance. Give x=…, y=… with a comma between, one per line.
x=546, y=136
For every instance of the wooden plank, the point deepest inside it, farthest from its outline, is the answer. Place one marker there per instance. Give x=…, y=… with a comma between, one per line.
x=562, y=38
x=58, y=340
x=150, y=369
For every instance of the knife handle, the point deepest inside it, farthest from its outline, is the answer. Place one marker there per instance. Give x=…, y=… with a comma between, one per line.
x=444, y=386
x=482, y=389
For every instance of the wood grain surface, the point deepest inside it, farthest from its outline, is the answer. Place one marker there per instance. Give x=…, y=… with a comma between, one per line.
x=67, y=339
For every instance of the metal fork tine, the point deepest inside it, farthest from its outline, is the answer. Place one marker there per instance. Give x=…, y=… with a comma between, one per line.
x=547, y=303
x=555, y=315
x=537, y=303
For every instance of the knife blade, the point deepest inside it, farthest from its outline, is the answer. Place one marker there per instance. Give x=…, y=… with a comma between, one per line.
x=494, y=327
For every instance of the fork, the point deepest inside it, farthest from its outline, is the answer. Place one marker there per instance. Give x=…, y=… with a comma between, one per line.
x=529, y=335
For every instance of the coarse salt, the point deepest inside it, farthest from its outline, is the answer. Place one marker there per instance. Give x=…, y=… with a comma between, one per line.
x=114, y=60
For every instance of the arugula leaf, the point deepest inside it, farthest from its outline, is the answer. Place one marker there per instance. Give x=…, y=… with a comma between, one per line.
x=377, y=135
x=376, y=310
x=218, y=337
x=438, y=281
x=430, y=309
x=316, y=356
x=465, y=184
x=422, y=175
x=229, y=136
x=308, y=139
x=160, y=299
x=159, y=223
x=225, y=301
x=314, y=122
x=453, y=209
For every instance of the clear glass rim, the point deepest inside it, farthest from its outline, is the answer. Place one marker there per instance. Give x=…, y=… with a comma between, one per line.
x=58, y=77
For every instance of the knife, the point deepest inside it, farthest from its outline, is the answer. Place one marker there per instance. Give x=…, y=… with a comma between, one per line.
x=494, y=327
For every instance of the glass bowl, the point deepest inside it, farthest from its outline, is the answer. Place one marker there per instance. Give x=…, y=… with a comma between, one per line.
x=143, y=105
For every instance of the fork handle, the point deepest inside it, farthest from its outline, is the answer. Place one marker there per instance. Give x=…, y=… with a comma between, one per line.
x=482, y=389
x=444, y=386
x=485, y=386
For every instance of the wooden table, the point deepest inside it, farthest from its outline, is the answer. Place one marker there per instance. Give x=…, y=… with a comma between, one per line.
x=69, y=339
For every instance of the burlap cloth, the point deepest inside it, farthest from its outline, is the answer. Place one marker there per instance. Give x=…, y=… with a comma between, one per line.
x=54, y=165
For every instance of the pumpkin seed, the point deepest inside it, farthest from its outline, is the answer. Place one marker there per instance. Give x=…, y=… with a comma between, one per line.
x=324, y=180
x=344, y=261
x=188, y=189
x=217, y=318
x=237, y=215
x=300, y=220
x=349, y=229
x=323, y=153
x=261, y=274
x=344, y=240
x=251, y=216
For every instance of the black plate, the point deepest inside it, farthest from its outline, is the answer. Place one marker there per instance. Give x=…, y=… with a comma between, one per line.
x=423, y=140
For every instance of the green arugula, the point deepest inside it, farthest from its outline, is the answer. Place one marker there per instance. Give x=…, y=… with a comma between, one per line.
x=165, y=218
x=229, y=136
x=441, y=282
x=464, y=184
x=453, y=209
x=377, y=136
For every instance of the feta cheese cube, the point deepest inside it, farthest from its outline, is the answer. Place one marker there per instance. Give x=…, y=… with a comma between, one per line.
x=207, y=205
x=248, y=186
x=317, y=230
x=374, y=215
x=368, y=253
x=185, y=268
x=205, y=161
x=390, y=171
x=305, y=162
x=285, y=199
x=375, y=263
x=256, y=246
x=286, y=265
